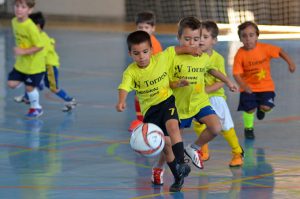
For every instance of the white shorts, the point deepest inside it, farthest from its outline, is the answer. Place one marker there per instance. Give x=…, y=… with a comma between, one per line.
x=220, y=106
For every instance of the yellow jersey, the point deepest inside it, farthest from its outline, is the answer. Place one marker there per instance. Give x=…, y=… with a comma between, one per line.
x=190, y=99
x=27, y=35
x=151, y=83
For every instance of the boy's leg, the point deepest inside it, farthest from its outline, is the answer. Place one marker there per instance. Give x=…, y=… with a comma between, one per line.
x=35, y=107
x=51, y=82
x=137, y=106
x=237, y=151
x=266, y=103
x=248, y=118
x=199, y=128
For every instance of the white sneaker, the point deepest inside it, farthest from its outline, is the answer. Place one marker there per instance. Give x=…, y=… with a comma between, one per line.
x=69, y=105
x=194, y=155
x=21, y=99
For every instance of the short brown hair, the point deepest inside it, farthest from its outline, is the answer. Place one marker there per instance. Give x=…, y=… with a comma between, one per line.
x=138, y=37
x=211, y=27
x=246, y=24
x=147, y=17
x=29, y=3
x=188, y=22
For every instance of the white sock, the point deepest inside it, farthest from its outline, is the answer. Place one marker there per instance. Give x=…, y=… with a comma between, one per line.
x=34, y=99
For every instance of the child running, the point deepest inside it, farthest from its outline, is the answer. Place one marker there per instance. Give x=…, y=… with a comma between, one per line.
x=252, y=72
x=52, y=66
x=217, y=97
x=148, y=76
x=30, y=63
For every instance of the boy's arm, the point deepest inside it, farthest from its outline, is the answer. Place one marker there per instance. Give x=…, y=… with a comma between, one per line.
x=195, y=51
x=289, y=61
x=224, y=79
x=242, y=84
x=27, y=51
x=179, y=83
x=214, y=87
x=121, y=105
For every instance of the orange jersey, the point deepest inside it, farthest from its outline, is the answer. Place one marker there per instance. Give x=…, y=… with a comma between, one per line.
x=254, y=66
x=155, y=45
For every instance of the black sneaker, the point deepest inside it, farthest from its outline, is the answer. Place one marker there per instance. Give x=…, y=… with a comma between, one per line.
x=183, y=171
x=249, y=133
x=260, y=114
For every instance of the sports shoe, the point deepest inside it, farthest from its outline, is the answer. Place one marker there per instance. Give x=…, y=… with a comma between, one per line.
x=70, y=105
x=194, y=155
x=183, y=171
x=157, y=176
x=34, y=112
x=205, y=152
x=134, y=124
x=249, y=133
x=237, y=160
x=21, y=99
x=260, y=114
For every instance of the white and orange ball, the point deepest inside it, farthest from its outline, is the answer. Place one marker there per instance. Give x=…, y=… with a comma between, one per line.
x=147, y=139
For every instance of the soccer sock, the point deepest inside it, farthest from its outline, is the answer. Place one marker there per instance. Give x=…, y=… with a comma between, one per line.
x=33, y=97
x=138, y=112
x=178, y=150
x=63, y=95
x=248, y=120
x=172, y=166
x=26, y=96
x=232, y=140
x=198, y=128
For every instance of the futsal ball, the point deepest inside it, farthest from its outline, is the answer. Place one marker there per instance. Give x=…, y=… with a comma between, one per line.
x=147, y=139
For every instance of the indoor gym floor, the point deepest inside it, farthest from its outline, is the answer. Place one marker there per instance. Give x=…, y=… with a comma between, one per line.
x=85, y=154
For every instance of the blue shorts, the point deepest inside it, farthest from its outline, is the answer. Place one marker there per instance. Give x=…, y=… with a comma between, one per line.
x=249, y=101
x=51, y=78
x=33, y=80
x=207, y=110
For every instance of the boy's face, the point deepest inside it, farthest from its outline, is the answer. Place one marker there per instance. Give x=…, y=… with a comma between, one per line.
x=207, y=42
x=22, y=10
x=190, y=38
x=146, y=27
x=249, y=37
x=141, y=54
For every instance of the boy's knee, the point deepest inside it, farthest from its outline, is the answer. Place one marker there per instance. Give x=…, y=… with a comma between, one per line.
x=265, y=108
x=215, y=130
x=12, y=84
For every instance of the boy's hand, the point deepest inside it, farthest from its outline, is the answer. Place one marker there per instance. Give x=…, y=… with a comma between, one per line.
x=120, y=107
x=232, y=87
x=19, y=51
x=247, y=89
x=182, y=83
x=196, y=51
x=292, y=67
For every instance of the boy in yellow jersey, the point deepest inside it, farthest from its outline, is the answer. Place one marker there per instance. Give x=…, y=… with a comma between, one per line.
x=148, y=76
x=252, y=71
x=187, y=80
x=52, y=66
x=145, y=21
x=30, y=63
x=216, y=93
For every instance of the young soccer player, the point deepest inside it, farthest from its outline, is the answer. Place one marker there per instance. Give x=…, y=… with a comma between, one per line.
x=145, y=21
x=187, y=80
x=30, y=63
x=148, y=76
x=217, y=97
x=251, y=70
x=52, y=66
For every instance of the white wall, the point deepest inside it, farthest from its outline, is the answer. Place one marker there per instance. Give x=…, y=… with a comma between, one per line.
x=107, y=9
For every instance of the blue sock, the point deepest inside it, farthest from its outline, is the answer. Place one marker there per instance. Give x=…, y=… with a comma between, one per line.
x=26, y=96
x=63, y=95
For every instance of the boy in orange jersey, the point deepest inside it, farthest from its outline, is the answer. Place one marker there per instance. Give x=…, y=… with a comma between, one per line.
x=251, y=70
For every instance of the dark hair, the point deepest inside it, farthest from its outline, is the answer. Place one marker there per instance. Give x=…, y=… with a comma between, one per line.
x=244, y=25
x=147, y=17
x=29, y=3
x=38, y=18
x=188, y=22
x=211, y=27
x=138, y=37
